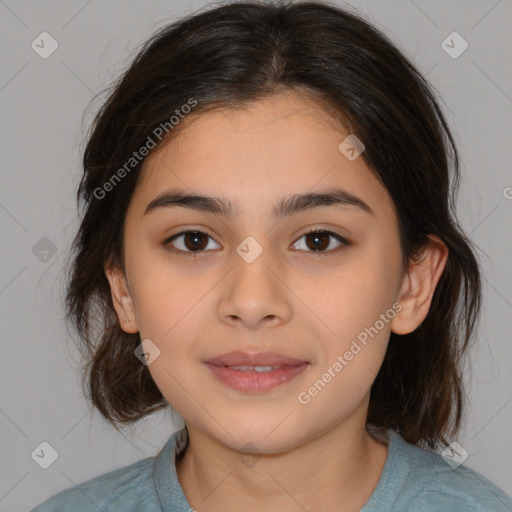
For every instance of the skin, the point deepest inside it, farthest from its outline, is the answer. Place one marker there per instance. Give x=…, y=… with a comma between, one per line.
x=290, y=300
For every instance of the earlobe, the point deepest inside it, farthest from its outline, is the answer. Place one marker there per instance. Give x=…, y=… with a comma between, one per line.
x=418, y=286
x=122, y=299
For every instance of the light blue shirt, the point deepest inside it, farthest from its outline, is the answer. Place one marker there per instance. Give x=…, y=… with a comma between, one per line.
x=413, y=480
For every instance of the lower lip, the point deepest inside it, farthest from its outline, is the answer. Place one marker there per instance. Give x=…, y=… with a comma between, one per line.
x=253, y=380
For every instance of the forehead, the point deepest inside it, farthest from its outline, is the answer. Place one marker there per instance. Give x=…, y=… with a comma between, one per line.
x=271, y=148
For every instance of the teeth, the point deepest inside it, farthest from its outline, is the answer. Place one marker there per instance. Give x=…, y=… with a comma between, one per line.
x=255, y=368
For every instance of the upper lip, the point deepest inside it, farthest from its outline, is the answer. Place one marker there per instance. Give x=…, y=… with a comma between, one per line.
x=240, y=358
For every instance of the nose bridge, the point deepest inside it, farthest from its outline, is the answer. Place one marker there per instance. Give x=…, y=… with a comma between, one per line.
x=252, y=275
x=252, y=261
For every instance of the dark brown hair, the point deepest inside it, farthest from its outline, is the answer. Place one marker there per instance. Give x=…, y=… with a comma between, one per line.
x=227, y=57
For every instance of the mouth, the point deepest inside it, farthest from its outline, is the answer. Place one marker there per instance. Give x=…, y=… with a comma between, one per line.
x=259, y=369
x=255, y=372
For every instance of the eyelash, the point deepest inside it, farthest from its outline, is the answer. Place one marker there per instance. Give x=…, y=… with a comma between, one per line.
x=314, y=254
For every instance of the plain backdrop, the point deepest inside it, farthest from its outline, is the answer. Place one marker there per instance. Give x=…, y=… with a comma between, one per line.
x=45, y=110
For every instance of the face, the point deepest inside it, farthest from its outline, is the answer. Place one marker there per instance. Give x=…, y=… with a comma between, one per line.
x=255, y=282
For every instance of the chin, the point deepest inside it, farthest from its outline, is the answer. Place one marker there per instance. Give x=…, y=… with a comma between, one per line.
x=269, y=435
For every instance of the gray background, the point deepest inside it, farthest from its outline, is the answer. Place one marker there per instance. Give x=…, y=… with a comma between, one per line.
x=43, y=124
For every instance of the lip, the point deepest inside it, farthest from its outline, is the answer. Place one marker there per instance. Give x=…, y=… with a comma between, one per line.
x=250, y=380
x=240, y=358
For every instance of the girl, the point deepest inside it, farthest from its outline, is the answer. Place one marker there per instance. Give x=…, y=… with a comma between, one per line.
x=269, y=246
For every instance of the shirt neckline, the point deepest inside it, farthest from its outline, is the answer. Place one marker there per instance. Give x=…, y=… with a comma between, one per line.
x=168, y=488
x=170, y=493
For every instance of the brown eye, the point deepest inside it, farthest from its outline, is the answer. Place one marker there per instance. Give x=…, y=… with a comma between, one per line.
x=189, y=241
x=195, y=241
x=320, y=241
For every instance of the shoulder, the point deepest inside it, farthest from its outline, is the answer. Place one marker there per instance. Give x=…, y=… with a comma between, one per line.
x=128, y=489
x=463, y=490
x=458, y=489
x=432, y=484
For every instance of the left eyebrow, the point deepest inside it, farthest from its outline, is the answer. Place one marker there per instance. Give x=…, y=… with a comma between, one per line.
x=290, y=205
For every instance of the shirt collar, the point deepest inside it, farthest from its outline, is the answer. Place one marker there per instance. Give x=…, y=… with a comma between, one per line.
x=168, y=488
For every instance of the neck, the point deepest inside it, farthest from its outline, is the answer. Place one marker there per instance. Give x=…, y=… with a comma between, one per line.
x=341, y=466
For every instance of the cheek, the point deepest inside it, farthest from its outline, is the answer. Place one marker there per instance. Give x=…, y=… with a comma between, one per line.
x=357, y=306
x=351, y=358
x=357, y=293
x=171, y=313
x=165, y=297
x=176, y=372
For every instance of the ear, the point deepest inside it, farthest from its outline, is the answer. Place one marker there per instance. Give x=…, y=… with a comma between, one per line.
x=418, y=286
x=122, y=299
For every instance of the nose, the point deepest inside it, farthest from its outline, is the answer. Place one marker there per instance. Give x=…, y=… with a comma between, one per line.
x=253, y=295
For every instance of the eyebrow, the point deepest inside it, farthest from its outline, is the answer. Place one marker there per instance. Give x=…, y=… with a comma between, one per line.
x=287, y=206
